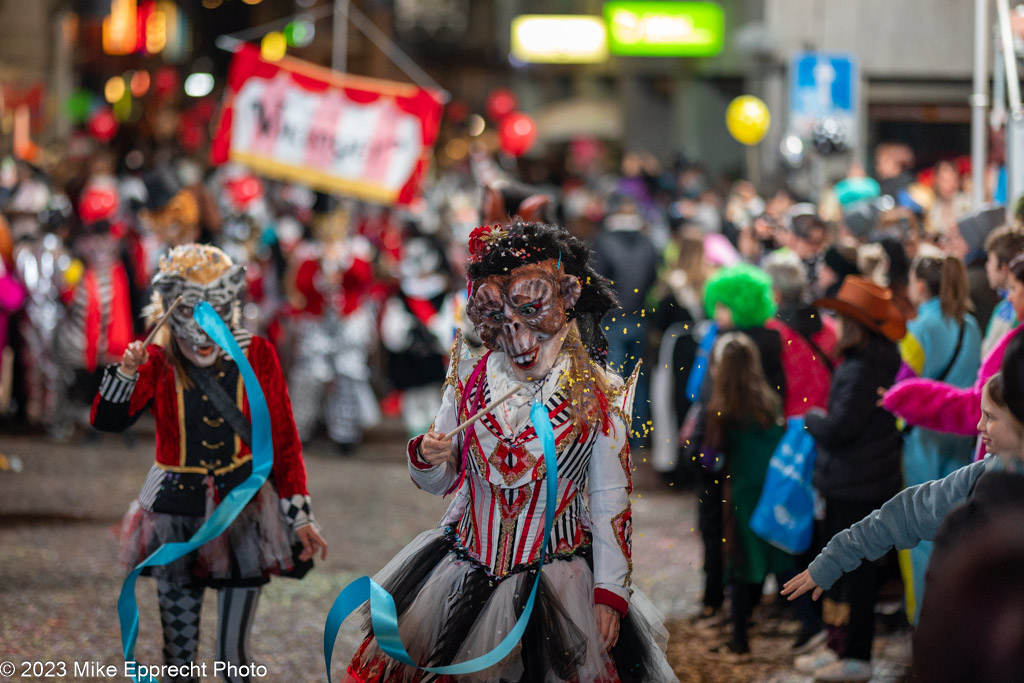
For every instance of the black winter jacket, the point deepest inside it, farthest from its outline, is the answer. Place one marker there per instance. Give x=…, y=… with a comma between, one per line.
x=858, y=443
x=629, y=259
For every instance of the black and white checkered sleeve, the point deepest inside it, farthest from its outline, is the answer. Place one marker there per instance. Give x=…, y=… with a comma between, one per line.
x=298, y=510
x=117, y=387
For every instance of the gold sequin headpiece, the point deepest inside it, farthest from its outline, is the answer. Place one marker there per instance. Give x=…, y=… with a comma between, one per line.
x=198, y=263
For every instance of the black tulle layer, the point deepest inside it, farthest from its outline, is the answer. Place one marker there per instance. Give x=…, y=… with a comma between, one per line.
x=551, y=643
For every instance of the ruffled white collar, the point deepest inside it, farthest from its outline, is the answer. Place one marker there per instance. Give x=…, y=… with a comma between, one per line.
x=513, y=414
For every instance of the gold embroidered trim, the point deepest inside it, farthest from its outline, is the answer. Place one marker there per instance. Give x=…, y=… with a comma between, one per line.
x=451, y=379
x=481, y=462
x=622, y=527
x=237, y=462
x=181, y=427
x=211, y=446
x=239, y=393
x=625, y=461
x=189, y=469
x=213, y=422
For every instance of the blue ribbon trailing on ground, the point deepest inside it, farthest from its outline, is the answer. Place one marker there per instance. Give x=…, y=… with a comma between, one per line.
x=382, y=605
x=238, y=498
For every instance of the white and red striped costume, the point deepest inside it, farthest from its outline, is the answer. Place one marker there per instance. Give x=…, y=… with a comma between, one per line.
x=498, y=514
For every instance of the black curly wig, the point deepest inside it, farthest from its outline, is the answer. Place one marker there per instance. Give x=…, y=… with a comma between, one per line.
x=537, y=242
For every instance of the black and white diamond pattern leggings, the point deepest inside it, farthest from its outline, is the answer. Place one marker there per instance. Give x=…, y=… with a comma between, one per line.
x=180, y=606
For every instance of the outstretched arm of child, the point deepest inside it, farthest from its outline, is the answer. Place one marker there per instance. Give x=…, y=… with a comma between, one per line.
x=800, y=584
x=911, y=516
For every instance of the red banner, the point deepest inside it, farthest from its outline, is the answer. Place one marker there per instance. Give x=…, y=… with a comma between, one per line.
x=338, y=133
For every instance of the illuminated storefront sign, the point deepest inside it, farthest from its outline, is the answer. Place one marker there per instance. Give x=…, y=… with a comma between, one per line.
x=120, y=34
x=664, y=29
x=559, y=39
x=148, y=27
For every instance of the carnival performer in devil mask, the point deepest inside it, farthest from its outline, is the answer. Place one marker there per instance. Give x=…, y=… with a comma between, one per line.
x=203, y=439
x=459, y=588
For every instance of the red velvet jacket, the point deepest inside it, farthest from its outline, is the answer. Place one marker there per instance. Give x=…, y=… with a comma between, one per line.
x=156, y=389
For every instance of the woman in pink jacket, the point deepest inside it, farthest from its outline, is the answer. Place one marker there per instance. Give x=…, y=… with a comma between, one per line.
x=946, y=408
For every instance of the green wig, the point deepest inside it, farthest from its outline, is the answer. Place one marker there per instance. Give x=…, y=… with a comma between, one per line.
x=745, y=290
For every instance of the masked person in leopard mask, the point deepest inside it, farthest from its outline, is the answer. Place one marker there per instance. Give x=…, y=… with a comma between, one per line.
x=536, y=303
x=203, y=433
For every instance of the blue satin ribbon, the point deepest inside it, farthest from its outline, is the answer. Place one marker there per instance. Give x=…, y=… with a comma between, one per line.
x=700, y=362
x=382, y=606
x=238, y=498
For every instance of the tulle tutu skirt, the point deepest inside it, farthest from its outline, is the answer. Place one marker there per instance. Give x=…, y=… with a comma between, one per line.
x=451, y=610
x=259, y=543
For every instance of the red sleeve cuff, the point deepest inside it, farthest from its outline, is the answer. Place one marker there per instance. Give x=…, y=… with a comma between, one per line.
x=603, y=596
x=414, y=454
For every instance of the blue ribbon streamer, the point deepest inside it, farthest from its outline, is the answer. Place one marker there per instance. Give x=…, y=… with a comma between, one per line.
x=382, y=606
x=700, y=362
x=225, y=513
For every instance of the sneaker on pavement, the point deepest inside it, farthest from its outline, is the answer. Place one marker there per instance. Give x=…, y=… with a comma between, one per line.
x=806, y=642
x=710, y=618
x=845, y=670
x=810, y=663
x=731, y=652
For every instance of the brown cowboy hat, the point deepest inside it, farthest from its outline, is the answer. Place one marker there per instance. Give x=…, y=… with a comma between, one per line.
x=867, y=303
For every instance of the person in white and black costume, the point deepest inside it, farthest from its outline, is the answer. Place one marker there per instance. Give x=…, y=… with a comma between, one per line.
x=459, y=588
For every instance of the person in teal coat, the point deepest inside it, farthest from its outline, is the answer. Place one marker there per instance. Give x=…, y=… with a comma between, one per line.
x=942, y=343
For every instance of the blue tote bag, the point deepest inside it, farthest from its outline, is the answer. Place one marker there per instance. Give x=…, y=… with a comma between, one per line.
x=784, y=515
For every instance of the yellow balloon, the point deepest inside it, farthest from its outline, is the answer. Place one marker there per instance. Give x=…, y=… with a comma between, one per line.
x=273, y=46
x=74, y=272
x=747, y=119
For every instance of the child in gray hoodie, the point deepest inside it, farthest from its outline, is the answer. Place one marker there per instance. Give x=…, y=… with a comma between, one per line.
x=945, y=510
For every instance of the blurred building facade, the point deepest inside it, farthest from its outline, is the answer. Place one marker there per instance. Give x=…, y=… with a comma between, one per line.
x=914, y=58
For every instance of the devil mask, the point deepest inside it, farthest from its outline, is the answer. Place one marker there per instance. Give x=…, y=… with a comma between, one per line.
x=197, y=273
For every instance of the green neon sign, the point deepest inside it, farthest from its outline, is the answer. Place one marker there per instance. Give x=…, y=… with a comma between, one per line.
x=664, y=29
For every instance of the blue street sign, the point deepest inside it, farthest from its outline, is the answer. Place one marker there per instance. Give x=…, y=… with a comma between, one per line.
x=822, y=85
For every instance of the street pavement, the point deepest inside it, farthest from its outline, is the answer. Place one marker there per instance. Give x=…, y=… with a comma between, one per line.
x=59, y=576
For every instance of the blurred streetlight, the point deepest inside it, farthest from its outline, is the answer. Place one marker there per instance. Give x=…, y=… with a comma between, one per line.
x=199, y=85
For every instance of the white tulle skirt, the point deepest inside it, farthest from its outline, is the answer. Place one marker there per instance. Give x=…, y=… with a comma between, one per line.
x=451, y=610
x=258, y=544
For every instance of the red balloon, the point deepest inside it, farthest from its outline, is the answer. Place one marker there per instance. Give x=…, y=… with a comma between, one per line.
x=204, y=109
x=243, y=190
x=190, y=137
x=98, y=202
x=102, y=125
x=516, y=133
x=500, y=103
x=165, y=81
x=457, y=111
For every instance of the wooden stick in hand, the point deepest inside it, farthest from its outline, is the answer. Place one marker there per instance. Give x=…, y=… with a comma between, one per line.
x=160, y=323
x=486, y=409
